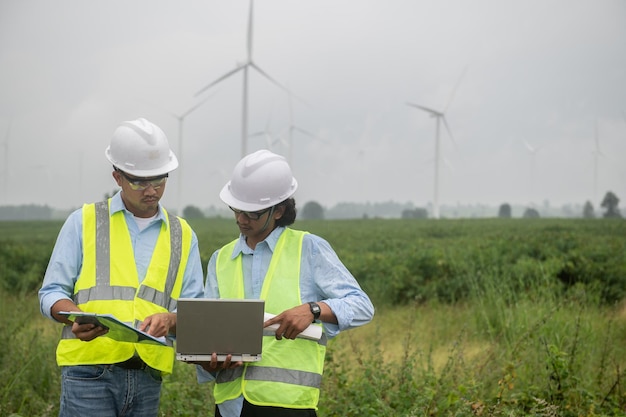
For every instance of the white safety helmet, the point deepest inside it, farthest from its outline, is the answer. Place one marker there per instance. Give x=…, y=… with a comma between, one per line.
x=140, y=148
x=260, y=180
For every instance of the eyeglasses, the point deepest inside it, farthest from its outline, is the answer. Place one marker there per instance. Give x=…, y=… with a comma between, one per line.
x=252, y=215
x=140, y=184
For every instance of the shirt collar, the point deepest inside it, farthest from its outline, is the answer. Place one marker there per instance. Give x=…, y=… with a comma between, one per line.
x=117, y=204
x=271, y=240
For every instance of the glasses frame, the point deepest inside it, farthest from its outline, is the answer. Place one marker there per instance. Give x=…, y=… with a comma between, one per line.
x=141, y=184
x=252, y=215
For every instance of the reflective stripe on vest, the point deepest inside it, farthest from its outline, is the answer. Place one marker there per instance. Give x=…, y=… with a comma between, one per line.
x=265, y=373
x=290, y=372
x=109, y=283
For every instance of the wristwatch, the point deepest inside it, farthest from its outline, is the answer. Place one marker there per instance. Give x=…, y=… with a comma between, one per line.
x=315, y=309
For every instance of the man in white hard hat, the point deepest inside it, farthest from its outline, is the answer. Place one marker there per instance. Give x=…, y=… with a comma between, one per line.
x=302, y=282
x=126, y=256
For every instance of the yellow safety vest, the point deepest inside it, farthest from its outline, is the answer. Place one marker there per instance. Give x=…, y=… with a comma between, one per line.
x=290, y=372
x=108, y=283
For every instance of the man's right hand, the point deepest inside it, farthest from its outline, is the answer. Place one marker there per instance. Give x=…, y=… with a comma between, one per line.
x=88, y=331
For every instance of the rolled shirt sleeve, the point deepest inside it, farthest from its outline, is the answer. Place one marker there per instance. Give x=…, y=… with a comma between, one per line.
x=325, y=278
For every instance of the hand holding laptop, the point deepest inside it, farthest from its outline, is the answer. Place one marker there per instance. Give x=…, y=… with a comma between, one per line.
x=215, y=365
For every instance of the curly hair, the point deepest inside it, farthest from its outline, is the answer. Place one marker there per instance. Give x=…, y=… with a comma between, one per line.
x=289, y=216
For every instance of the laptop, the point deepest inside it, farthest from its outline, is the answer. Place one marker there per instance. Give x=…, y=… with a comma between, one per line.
x=223, y=326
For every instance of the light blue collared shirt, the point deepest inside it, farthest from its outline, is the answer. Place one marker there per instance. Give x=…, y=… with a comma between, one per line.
x=67, y=257
x=323, y=277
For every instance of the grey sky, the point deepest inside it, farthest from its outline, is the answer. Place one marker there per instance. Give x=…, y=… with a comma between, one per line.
x=540, y=71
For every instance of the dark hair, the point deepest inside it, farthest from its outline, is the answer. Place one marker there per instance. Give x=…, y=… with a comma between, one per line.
x=289, y=216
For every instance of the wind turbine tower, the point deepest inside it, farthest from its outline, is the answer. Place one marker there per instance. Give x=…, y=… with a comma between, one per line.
x=596, y=154
x=245, y=67
x=533, y=153
x=5, y=170
x=290, y=130
x=266, y=133
x=181, y=121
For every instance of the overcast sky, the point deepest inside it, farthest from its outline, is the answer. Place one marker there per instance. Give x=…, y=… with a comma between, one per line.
x=511, y=75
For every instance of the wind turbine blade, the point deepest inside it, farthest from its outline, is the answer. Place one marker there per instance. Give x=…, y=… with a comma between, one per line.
x=281, y=140
x=266, y=75
x=223, y=77
x=196, y=106
x=455, y=88
x=433, y=112
x=448, y=164
x=529, y=147
x=263, y=73
x=250, y=33
x=597, y=140
x=304, y=132
x=445, y=123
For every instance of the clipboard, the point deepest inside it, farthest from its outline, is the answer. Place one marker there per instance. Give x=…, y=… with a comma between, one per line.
x=117, y=330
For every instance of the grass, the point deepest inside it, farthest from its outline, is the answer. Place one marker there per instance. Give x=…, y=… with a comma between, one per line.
x=560, y=358
x=545, y=359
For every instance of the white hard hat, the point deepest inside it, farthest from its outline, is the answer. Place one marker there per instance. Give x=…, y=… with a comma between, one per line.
x=260, y=180
x=140, y=148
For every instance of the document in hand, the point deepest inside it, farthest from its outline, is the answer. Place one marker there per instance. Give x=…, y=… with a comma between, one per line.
x=313, y=332
x=118, y=330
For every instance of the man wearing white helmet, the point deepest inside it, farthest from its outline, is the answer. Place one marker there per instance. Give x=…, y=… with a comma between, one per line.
x=126, y=256
x=301, y=280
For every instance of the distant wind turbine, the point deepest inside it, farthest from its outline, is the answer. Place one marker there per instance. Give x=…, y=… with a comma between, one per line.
x=181, y=121
x=441, y=118
x=266, y=133
x=290, y=131
x=596, y=154
x=5, y=170
x=533, y=152
x=249, y=63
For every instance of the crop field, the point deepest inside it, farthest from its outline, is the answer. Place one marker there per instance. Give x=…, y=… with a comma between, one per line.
x=480, y=317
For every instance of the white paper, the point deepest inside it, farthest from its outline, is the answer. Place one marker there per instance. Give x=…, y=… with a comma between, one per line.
x=313, y=332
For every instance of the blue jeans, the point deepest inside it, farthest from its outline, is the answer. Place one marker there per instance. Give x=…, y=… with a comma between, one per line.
x=109, y=391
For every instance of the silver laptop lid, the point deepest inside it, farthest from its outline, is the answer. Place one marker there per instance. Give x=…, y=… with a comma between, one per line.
x=223, y=326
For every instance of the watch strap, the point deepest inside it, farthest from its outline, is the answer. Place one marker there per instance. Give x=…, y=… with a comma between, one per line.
x=315, y=310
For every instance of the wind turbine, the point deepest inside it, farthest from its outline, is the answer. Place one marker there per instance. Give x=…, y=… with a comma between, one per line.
x=266, y=133
x=6, y=162
x=440, y=116
x=290, y=130
x=181, y=121
x=596, y=154
x=249, y=63
x=533, y=152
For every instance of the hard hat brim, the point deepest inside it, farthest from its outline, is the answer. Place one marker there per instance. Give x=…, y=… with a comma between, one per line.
x=229, y=199
x=144, y=173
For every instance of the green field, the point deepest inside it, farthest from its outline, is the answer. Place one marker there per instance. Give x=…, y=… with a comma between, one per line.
x=491, y=317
